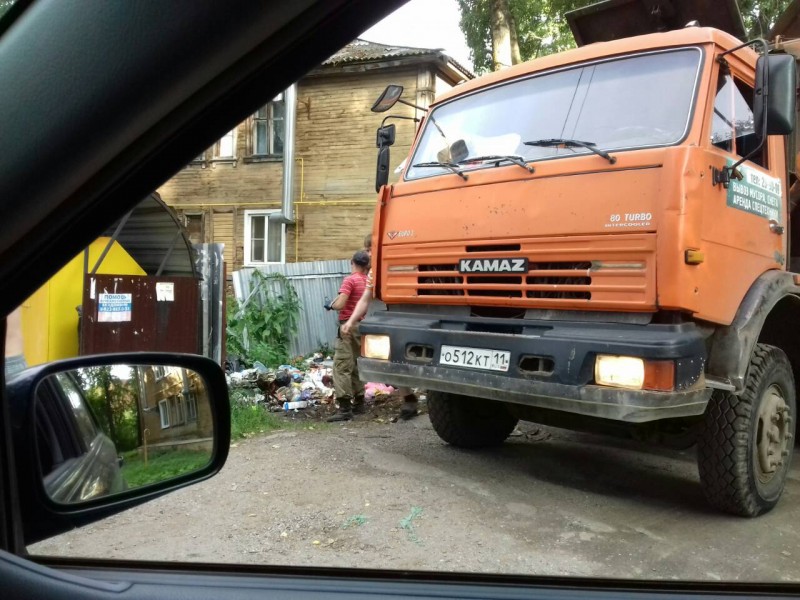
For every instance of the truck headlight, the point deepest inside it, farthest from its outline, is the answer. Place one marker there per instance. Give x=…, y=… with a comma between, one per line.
x=619, y=371
x=634, y=373
x=375, y=346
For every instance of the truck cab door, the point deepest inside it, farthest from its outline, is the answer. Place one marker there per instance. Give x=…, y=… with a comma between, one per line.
x=744, y=223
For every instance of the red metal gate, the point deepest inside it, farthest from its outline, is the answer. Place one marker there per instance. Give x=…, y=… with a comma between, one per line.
x=128, y=313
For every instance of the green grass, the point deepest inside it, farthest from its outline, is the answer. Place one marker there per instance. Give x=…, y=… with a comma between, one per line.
x=161, y=467
x=248, y=420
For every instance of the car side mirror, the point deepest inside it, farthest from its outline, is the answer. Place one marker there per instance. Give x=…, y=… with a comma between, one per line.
x=388, y=98
x=382, y=170
x=385, y=135
x=98, y=434
x=776, y=75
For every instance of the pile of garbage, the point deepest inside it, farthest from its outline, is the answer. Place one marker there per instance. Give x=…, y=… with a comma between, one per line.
x=289, y=388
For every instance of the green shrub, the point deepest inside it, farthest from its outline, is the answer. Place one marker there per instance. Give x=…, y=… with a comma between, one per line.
x=262, y=327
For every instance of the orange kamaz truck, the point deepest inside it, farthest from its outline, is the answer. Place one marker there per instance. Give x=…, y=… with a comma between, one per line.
x=603, y=240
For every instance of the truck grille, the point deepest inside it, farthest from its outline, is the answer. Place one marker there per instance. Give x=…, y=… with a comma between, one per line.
x=444, y=277
x=548, y=280
x=602, y=271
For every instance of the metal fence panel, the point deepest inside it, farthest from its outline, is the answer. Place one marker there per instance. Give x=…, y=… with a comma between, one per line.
x=211, y=266
x=314, y=282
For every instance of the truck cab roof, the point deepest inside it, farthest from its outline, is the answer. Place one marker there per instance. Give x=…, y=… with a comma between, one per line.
x=688, y=36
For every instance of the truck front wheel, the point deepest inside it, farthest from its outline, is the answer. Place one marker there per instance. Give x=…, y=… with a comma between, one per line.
x=744, y=451
x=469, y=422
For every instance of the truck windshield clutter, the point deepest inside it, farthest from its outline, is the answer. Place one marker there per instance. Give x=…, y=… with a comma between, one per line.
x=602, y=240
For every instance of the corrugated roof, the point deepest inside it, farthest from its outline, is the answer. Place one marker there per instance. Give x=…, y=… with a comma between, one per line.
x=363, y=50
x=155, y=239
x=366, y=51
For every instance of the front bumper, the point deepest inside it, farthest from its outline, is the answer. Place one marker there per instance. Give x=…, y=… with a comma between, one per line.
x=569, y=348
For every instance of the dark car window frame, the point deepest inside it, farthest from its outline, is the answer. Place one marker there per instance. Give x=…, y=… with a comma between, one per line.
x=52, y=408
x=82, y=415
x=112, y=578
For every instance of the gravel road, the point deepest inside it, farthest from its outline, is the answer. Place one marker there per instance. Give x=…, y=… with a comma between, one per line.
x=382, y=495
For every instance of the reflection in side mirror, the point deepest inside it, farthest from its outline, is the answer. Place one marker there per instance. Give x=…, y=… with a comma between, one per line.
x=778, y=72
x=101, y=430
x=382, y=171
x=388, y=98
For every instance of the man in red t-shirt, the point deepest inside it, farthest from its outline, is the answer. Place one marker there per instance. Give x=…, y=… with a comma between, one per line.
x=346, y=383
x=409, y=408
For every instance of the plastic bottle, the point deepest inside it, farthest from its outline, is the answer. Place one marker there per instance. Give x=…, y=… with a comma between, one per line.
x=294, y=405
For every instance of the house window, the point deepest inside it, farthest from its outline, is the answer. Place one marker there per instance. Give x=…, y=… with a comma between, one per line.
x=163, y=411
x=194, y=227
x=180, y=410
x=268, y=128
x=226, y=146
x=263, y=239
x=191, y=408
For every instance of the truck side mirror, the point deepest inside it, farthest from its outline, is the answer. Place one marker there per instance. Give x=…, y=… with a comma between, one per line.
x=382, y=171
x=777, y=76
x=388, y=98
x=458, y=151
x=385, y=136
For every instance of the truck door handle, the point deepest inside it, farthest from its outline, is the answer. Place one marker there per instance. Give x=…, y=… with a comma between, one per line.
x=776, y=228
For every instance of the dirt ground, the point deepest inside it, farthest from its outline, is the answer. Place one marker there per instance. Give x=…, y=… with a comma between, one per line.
x=376, y=494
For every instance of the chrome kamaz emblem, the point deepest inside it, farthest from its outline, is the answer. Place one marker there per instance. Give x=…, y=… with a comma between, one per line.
x=493, y=265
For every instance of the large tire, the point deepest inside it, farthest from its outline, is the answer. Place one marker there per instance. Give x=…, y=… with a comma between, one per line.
x=469, y=422
x=745, y=448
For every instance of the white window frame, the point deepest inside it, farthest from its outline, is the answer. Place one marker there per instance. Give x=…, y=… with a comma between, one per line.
x=163, y=412
x=248, y=214
x=218, y=146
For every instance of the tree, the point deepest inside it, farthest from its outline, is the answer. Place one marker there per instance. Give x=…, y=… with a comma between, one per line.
x=5, y=5
x=540, y=28
x=505, y=46
x=760, y=16
x=537, y=26
x=114, y=402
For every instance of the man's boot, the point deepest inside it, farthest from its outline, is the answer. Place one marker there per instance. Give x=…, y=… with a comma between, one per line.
x=345, y=412
x=359, y=407
x=408, y=410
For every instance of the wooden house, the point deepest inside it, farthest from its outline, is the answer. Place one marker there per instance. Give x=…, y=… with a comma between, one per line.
x=310, y=152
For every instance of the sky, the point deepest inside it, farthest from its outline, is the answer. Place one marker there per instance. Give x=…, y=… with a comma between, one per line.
x=424, y=24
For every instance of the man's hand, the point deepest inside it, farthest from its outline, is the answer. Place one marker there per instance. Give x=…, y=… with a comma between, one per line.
x=345, y=329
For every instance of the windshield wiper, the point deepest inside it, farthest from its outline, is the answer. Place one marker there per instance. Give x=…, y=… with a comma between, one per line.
x=591, y=146
x=498, y=158
x=444, y=165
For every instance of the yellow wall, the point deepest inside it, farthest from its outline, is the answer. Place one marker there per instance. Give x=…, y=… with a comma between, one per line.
x=49, y=316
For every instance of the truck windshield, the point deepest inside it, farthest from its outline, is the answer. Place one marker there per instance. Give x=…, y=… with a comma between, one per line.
x=619, y=104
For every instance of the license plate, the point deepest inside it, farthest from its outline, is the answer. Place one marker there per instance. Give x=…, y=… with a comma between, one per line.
x=475, y=358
